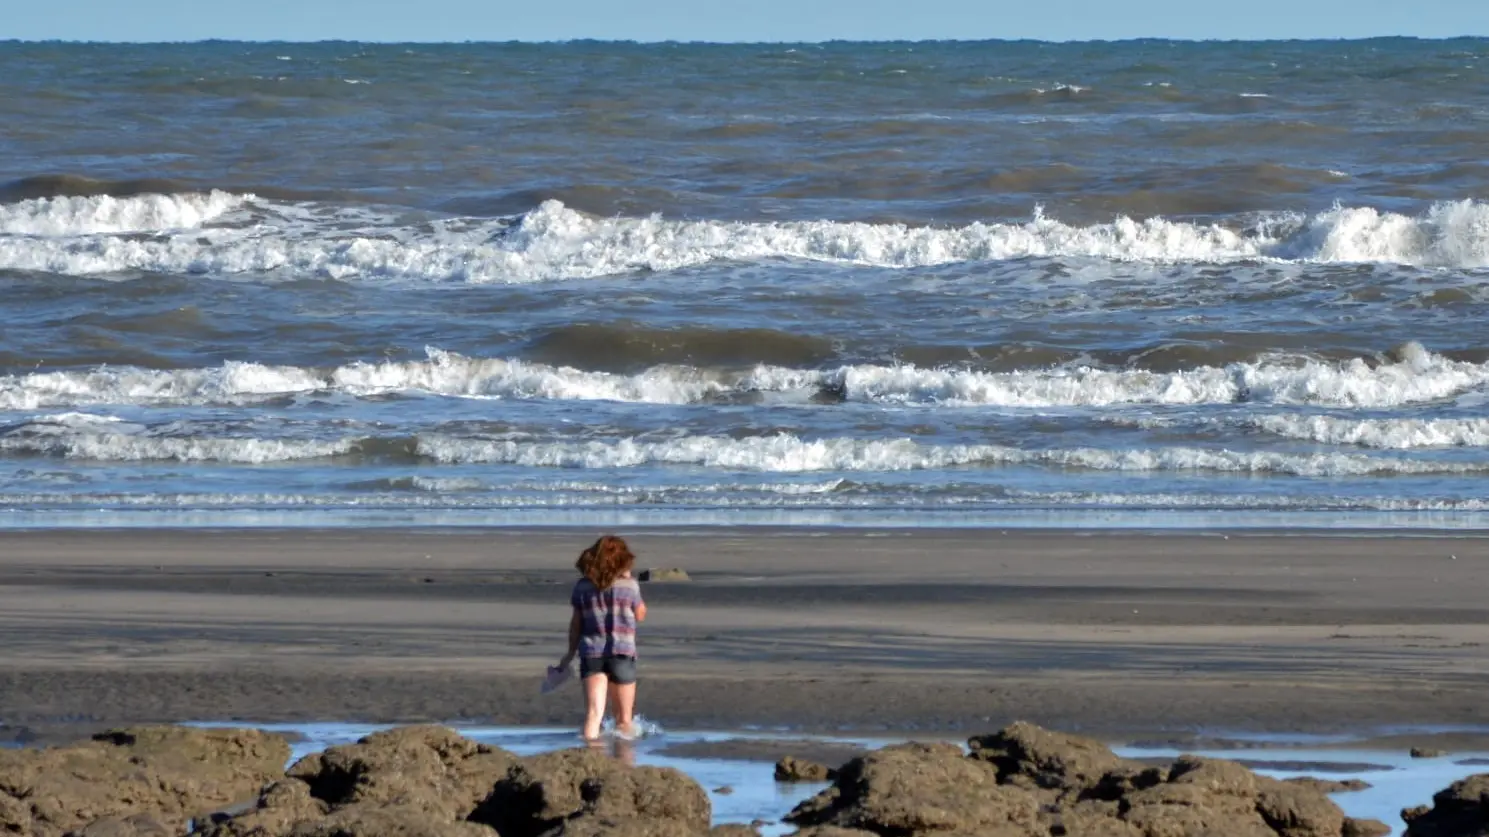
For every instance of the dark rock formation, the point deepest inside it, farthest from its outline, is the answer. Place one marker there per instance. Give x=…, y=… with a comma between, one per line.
x=139, y=782
x=1460, y=810
x=1365, y=828
x=792, y=769
x=430, y=782
x=1028, y=782
x=575, y=792
x=428, y=768
x=421, y=781
x=1329, y=785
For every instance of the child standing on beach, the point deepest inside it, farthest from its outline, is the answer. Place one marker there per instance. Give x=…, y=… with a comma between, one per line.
x=607, y=608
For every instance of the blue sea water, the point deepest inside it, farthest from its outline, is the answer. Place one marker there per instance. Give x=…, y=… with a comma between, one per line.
x=1000, y=283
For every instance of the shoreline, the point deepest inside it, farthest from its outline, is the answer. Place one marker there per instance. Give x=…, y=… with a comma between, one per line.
x=1301, y=523
x=1117, y=634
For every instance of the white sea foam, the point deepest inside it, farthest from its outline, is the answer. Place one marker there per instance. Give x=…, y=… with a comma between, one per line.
x=1397, y=434
x=231, y=383
x=1378, y=433
x=132, y=447
x=741, y=498
x=83, y=216
x=91, y=437
x=61, y=235
x=1454, y=234
x=786, y=453
x=1417, y=376
x=1204, y=500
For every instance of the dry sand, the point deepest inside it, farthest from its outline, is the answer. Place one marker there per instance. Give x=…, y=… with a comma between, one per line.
x=1119, y=634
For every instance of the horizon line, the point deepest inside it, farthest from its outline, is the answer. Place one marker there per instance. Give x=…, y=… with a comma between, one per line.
x=702, y=42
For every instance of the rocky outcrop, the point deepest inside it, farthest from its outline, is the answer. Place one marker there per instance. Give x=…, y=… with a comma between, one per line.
x=583, y=792
x=1365, y=828
x=1029, y=782
x=792, y=769
x=136, y=782
x=421, y=781
x=426, y=768
x=1330, y=785
x=428, y=781
x=1460, y=810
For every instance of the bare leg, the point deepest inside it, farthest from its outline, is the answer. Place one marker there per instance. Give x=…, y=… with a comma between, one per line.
x=624, y=699
x=594, y=704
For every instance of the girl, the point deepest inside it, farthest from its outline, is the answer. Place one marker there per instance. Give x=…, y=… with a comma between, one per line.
x=602, y=632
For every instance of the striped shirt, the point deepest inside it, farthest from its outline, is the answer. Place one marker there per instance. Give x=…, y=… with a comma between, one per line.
x=609, y=617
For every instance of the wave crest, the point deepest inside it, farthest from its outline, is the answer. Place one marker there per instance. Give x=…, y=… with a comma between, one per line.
x=1416, y=375
x=68, y=235
x=65, y=216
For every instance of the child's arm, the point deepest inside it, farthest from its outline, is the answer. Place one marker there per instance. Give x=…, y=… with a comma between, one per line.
x=641, y=611
x=576, y=628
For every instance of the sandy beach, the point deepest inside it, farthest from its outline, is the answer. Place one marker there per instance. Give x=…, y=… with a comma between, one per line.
x=1140, y=636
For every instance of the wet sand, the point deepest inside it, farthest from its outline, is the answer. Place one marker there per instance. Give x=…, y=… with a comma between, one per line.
x=1124, y=635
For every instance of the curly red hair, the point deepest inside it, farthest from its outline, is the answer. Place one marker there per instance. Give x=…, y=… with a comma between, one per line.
x=603, y=563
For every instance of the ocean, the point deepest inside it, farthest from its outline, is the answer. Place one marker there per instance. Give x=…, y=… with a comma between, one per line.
x=1149, y=283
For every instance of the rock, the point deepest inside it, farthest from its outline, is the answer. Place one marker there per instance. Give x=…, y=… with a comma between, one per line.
x=1028, y=782
x=585, y=792
x=409, y=781
x=607, y=827
x=1047, y=759
x=1460, y=810
x=914, y=788
x=1364, y=828
x=430, y=768
x=172, y=774
x=374, y=820
x=282, y=806
x=1214, y=776
x=1193, y=808
x=139, y=825
x=1118, y=783
x=664, y=574
x=1329, y=785
x=1427, y=753
x=791, y=769
x=1298, y=811
x=724, y=790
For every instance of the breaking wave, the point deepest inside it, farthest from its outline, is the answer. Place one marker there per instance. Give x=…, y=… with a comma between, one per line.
x=1413, y=375
x=67, y=216
x=787, y=453
x=79, y=236
x=93, y=439
x=105, y=438
x=1390, y=434
x=1376, y=433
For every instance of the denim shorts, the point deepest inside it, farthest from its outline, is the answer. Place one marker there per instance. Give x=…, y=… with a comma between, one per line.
x=620, y=670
